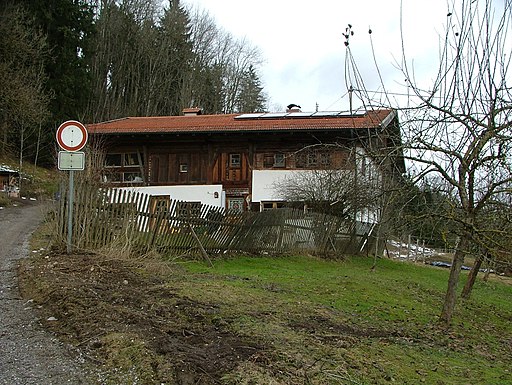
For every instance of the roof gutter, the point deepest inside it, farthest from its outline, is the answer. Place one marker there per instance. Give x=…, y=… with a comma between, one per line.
x=388, y=119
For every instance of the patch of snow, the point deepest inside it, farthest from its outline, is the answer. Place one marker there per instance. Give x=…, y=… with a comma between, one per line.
x=412, y=251
x=4, y=167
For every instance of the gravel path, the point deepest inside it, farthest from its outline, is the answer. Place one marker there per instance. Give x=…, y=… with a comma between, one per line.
x=28, y=353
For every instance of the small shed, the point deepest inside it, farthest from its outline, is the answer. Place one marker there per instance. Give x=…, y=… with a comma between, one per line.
x=9, y=181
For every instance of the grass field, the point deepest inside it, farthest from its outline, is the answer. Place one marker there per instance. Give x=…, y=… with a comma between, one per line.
x=335, y=322
x=285, y=320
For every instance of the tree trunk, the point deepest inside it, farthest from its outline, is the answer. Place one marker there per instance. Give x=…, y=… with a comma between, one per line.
x=38, y=144
x=490, y=266
x=466, y=291
x=453, y=280
x=5, y=140
x=22, y=140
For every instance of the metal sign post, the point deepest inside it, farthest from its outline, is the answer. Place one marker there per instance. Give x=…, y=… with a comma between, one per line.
x=71, y=194
x=71, y=137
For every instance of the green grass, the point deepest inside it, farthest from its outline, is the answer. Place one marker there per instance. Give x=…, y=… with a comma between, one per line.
x=4, y=200
x=334, y=322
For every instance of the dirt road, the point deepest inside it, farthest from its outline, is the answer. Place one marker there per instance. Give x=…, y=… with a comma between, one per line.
x=28, y=353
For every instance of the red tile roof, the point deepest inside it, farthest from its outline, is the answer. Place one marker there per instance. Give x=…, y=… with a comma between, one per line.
x=228, y=123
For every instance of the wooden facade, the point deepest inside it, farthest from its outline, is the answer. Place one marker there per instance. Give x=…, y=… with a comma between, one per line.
x=9, y=180
x=226, y=149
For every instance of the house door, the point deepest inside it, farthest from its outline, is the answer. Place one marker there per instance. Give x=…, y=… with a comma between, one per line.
x=158, y=208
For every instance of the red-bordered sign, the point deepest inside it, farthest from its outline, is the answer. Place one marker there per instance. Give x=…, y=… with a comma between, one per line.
x=72, y=135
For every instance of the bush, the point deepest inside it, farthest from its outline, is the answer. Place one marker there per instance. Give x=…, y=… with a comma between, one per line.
x=4, y=199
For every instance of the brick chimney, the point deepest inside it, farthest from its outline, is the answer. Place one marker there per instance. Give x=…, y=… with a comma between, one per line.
x=192, y=111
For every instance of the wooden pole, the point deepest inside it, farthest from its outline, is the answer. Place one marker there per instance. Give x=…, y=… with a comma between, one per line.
x=201, y=248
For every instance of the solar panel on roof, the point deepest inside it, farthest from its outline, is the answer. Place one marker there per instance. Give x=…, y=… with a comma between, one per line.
x=348, y=113
x=326, y=113
x=271, y=115
x=250, y=116
x=299, y=114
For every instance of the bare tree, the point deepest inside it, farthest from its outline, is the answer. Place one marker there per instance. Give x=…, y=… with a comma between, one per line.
x=155, y=59
x=23, y=99
x=459, y=127
x=347, y=190
x=495, y=240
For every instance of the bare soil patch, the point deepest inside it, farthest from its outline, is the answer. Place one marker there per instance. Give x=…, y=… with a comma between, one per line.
x=124, y=318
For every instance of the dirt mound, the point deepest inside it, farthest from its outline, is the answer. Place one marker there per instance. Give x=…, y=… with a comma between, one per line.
x=126, y=319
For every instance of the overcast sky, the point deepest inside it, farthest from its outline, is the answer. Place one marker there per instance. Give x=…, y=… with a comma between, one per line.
x=303, y=45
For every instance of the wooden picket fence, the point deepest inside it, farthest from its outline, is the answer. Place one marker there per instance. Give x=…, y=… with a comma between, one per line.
x=103, y=217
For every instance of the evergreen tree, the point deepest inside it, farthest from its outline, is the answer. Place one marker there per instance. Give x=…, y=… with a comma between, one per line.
x=250, y=95
x=209, y=90
x=69, y=28
x=175, y=40
x=115, y=63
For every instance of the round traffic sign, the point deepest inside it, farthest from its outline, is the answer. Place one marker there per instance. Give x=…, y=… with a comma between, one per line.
x=72, y=135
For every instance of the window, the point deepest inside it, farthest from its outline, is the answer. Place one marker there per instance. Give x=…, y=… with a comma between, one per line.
x=325, y=159
x=132, y=177
x=122, y=160
x=273, y=160
x=265, y=206
x=279, y=160
x=122, y=168
x=183, y=167
x=112, y=177
x=300, y=160
x=235, y=160
x=113, y=160
x=131, y=160
x=268, y=161
x=312, y=159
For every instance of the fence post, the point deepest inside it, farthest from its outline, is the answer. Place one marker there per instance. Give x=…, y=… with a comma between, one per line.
x=409, y=247
x=416, y=253
x=201, y=248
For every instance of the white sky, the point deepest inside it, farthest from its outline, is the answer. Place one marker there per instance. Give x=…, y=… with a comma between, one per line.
x=303, y=46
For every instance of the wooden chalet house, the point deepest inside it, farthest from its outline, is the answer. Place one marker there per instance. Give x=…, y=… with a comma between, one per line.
x=9, y=180
x=233, y=160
